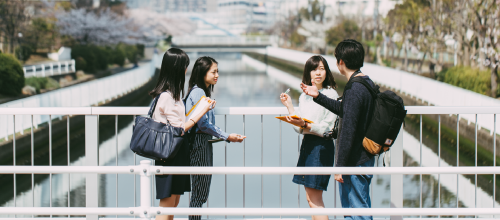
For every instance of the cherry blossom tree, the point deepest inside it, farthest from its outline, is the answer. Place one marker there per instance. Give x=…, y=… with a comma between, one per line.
x=101, y=28
x=105, y=27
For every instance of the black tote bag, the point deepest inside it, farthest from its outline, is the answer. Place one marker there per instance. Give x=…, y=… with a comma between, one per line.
x=155, y=140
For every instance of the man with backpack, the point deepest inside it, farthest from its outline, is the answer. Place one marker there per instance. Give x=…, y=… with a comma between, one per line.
x=356, y=110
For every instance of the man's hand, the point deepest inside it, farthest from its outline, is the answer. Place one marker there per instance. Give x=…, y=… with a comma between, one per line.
x=236, y=138
x=310, y=90
x=338, y=177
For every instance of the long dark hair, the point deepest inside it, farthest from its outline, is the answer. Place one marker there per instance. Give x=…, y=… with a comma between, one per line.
x=200, y=70
x=313, y=63
x=172, y=73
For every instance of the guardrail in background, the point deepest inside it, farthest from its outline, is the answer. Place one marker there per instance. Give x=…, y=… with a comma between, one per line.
x=223, y=41
x=50, y=69
x=396, y=170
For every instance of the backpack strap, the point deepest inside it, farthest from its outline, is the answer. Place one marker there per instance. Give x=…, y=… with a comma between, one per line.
x=373, y=91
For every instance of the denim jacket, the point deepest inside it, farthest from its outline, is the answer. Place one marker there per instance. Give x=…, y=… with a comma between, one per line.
x=207, y=123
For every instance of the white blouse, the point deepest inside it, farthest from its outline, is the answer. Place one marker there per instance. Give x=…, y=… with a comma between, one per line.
x=323, y=119
x=169, y=109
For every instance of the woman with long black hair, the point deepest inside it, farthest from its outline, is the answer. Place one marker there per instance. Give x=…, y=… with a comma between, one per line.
x=204, y=76
x=170, y=109
x=316, y=150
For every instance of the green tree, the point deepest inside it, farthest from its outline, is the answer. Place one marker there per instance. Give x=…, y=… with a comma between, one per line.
x=11, y=75
x=314, y=12
x=23, y=52
x=41, y=33
x=347, y=29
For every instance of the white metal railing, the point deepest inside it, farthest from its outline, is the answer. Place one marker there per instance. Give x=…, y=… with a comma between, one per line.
x=223, y=41
x=146, y=171
x=50, y=69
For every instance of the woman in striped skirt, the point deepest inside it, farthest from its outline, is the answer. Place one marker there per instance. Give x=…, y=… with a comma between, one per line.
x=203, y=78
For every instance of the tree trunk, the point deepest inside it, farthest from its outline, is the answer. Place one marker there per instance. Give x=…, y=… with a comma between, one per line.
x=368, y=53
x=482, y=56
x=459, y=54
x=466, y=57
x=11, y=43
x=494, y=78
x=379, y=56
x=405, y=63
x=419, y=70
x=392, y=53
x=473, y=63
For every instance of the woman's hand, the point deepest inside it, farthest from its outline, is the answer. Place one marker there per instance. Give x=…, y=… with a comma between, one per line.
x=236, y=138
x=286, y=100
x=338, y=177
x=310, y=90
x=296, y=121
x=210, y=106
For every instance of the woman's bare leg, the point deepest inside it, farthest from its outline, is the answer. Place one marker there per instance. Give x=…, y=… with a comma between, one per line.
x=315, y=199
x=171, y=201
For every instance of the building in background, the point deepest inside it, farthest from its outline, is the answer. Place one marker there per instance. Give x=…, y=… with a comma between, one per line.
x=248, y=16
x=235, y=17
x=181, y=6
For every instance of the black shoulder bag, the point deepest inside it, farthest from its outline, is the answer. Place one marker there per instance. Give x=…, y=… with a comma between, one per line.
x=155, y=140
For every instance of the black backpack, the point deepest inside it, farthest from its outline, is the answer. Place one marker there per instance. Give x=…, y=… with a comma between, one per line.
x=388, y=115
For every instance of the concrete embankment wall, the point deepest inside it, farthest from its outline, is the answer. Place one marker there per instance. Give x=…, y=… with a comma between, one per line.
x=85, y=94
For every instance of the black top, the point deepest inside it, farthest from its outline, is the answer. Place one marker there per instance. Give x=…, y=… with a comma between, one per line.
x=356, y=116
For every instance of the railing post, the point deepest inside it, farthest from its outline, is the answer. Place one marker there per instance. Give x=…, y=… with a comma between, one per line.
x=34, y=70
x=73, y=67
x=59, y=67
x=92, y=159
x=51, y=69
x=145, y=189
x=43, y=70
x=396, y=160
x=24, y=70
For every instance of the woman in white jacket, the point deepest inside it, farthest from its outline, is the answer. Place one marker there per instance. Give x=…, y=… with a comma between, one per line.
x=315, y=151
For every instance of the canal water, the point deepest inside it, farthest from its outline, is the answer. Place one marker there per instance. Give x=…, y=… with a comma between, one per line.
x=269, y=143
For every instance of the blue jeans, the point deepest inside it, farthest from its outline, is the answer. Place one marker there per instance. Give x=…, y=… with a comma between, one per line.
x=355, y=191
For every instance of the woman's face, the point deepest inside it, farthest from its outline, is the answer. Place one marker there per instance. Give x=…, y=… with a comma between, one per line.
x=319, y=74
x=213, y=75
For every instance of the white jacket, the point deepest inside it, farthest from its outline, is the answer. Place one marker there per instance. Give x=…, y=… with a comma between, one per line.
x=322, y=118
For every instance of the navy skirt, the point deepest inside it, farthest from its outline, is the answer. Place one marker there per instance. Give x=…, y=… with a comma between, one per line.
x=315, y=152
x=166, y=185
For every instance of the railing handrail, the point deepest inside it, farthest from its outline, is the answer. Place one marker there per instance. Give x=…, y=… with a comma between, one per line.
x=226, y=110
x=48, y=64
x=162, y=170
x=146, y=210
x=152, y=211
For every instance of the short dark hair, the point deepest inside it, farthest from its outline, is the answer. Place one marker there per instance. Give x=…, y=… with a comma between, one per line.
x=351, y=52
x=200, y=70
x=313, y=63
x=172, y=73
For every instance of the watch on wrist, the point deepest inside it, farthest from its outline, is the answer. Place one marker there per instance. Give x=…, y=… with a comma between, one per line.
x=305, y=125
